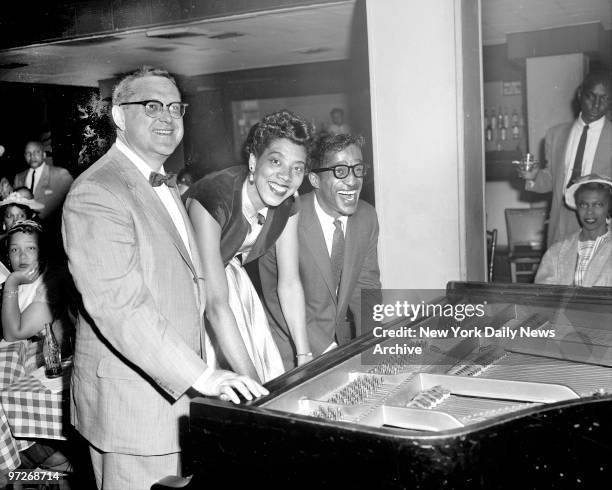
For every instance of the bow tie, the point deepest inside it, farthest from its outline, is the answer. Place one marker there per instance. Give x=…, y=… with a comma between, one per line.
x=157, y=179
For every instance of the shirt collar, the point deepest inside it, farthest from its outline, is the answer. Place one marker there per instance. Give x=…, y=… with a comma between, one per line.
x=248, y=209
x=606, y=236
x=324, y=217
x=133, y=157
x=40, y=167
x=598, y=124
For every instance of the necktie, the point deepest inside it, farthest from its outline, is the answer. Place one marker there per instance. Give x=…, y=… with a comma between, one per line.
x=337, y=253
x=157, y=179
x=577, y=168
x=33, y=181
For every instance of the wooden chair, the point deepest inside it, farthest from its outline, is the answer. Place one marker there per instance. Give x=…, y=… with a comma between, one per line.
x=526, y=241
x=491, y=245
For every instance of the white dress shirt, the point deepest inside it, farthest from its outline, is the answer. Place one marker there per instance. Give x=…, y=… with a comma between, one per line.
x=327, y=224
x=328, y=227
x=590, y=148
x=163, y=191
x=39, y=172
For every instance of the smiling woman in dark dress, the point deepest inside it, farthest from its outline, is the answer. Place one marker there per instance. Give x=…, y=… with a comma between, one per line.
x=238, y=214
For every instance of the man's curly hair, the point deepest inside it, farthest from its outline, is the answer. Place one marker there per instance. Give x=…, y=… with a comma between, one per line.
x=281, y=124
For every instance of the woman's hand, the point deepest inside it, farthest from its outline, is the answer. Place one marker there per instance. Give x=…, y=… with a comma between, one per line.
x=304, y=358
x=23, y=276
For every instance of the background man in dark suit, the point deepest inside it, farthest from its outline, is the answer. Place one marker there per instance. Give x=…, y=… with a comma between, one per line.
x=574, y=149
x=338, y=237
x=48, y=183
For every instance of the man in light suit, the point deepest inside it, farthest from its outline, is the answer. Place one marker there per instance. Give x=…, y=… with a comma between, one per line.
x=49, y=184
x=330, y=215
x=140, y=343
x=575, y=149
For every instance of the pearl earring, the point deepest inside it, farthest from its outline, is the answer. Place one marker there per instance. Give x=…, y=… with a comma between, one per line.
x=251, y=176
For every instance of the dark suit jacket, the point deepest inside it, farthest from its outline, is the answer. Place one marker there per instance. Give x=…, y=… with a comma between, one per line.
x=563, y=220
x=325, y=313
x=52, y=187
x=139, y=345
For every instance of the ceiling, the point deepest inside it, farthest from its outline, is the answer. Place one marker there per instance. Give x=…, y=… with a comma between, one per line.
x=281, y=37
x=501, y=17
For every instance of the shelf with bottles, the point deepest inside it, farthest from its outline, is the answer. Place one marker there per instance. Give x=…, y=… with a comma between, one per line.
x=505, y=129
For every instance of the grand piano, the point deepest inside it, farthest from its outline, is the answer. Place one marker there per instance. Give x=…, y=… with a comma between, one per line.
x=531, y=409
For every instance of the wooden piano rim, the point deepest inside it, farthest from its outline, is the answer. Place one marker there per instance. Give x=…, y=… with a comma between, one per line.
x=250, y=410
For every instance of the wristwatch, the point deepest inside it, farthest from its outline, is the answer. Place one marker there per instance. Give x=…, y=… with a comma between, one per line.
x=529, y=184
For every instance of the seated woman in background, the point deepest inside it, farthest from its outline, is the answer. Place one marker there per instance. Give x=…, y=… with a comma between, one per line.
x=228, y=209
x=34, y=293
x=18, y=206
x=584, y=258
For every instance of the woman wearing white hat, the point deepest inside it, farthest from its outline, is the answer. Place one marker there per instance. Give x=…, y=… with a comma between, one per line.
x=17, y=207
x=583, y=258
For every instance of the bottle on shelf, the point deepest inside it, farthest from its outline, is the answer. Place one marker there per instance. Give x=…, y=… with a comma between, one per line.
x=503, y=133
x=488, y=128
x=516, y=130
x=51, y=353
x=500, y=119
x=493, y=119
x=506, y=118
x=515, y=118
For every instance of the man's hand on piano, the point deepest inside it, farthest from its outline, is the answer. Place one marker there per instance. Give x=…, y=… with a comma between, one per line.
x=228, y=385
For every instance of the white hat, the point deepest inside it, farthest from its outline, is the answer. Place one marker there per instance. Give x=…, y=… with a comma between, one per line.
x=16, y=198
x=570, y=192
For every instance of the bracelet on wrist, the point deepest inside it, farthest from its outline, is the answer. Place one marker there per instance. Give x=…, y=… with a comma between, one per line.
x=305, y=354
x=11, y=292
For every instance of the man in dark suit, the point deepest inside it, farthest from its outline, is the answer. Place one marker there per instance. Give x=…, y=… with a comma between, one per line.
x=574, y=149
x=338, y=237
x=48, y=183
x=140, y=343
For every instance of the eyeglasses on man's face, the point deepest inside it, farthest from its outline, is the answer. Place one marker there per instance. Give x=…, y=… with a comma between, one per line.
x=154, y=108
x=342, y=171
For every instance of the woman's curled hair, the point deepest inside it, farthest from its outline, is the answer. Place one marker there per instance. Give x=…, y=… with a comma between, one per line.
x=278, y=125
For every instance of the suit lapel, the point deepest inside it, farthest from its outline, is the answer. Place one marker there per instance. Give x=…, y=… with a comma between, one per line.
x=603, y=153
x=20, y=180
x=149, y=200
x=314, y=240
x=43, y=183
x=560, y=157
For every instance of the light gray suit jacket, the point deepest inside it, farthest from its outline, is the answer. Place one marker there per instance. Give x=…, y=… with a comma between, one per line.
x=52, y=187
x=139, y=340
x=325, y=312
x=563, y=220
